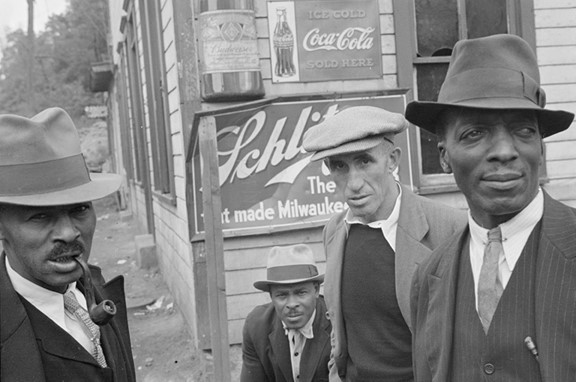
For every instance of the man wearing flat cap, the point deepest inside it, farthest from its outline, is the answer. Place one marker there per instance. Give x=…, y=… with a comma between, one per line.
x=47, y=222
x=288, y=339
x=373, y=248
x=498, y=301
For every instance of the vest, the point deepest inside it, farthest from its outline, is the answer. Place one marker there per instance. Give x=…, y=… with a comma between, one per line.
x=501, y=355
x=379, y=341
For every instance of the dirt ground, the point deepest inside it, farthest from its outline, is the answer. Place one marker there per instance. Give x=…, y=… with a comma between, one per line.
x=161, y=343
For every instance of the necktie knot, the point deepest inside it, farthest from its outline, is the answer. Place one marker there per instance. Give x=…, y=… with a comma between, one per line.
x=495, y=235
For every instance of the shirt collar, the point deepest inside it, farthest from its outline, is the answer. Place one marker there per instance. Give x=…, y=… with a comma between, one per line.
x=384, y=224
x=306, y=330
x=526, y=219
x=47, y=301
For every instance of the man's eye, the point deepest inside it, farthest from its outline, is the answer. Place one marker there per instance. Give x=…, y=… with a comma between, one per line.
x=527, y=131
x=472, y=134
x=81, y=209
x=38, y=217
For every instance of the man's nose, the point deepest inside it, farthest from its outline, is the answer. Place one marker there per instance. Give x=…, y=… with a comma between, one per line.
x=355, y=180
x=65, y=229
x=503, y=146
x=292, y=302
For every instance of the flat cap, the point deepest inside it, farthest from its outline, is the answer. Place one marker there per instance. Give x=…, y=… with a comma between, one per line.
x=351, y=130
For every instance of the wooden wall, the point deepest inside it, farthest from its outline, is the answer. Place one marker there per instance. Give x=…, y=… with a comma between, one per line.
x=555, y=22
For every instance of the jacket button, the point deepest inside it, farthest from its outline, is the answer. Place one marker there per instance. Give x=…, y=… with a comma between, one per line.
x=489, y=368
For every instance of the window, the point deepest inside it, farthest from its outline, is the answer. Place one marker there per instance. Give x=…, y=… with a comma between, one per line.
x=157, y=98
x=424, y=48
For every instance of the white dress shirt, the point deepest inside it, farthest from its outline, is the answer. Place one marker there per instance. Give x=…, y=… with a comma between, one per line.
x=515, y=233
x=387, y=226
x=51, y=304
x=297, y=339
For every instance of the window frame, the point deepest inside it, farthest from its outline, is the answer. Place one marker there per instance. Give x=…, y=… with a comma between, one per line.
x=520, y=22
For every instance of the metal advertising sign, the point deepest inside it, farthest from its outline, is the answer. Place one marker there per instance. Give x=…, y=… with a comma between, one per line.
x=267, y=181
x=324, y=40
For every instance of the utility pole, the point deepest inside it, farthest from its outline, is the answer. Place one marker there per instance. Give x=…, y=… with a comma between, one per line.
x=31, y=50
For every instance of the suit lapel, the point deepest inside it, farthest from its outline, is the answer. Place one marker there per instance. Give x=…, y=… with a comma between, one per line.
x=409, y=252
x=20, y=356
x=313, y=350
x=54, y=340
x=442, y=286
x=555, y=283
x=280, y=348
x=333, y=280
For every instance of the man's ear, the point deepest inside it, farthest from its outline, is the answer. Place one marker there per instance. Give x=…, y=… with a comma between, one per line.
x=444, y=158
x=395, y=156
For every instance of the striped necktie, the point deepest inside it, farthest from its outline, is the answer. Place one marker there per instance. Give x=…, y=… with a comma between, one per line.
x=71, y=305
x=489, y=285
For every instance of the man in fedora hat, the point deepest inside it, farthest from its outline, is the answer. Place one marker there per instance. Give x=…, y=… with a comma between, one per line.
x=288, y=339
x=497, y=301
x=47, y=222
x=373, y=248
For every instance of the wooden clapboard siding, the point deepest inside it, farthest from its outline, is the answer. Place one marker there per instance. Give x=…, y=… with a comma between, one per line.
x=555, y=23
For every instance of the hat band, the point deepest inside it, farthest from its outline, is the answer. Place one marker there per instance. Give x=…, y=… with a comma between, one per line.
x=292, y=272
x=491, y=83
x=43, y=177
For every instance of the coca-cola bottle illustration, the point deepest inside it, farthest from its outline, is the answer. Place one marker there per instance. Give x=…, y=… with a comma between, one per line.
x=283, y=46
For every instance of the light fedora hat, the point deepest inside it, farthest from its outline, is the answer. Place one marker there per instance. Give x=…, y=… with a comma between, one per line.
x=41, y=163
x=494, y=72
x=289, y=265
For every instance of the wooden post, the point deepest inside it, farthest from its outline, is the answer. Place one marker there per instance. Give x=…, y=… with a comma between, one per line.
x=214, y=250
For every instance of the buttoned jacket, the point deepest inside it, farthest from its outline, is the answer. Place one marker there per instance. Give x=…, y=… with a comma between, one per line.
x=434, y=296
x=266, y=351
x=23, y=347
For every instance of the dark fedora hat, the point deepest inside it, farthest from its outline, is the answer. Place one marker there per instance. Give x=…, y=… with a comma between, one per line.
x=291, y=264
x=41, y=163
x=494, y=72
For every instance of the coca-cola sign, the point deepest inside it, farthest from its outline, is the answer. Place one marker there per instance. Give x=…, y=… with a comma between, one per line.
x=324, y=40
x=266, y=178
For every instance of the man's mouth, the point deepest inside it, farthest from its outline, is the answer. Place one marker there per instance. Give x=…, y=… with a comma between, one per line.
x=65, y=259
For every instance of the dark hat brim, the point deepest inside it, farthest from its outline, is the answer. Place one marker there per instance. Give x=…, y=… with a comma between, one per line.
x=425, y=114
x=264, y=285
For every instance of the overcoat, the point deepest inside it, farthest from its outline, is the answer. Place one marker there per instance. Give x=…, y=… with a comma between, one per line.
x=22, y=348
x=266, y=351
x=422, y=226
x=434, y=295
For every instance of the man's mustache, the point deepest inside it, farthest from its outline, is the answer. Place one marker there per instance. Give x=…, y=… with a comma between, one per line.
x=63, y=248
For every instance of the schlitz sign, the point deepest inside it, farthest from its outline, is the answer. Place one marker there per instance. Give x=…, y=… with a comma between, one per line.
x=266, y=178
x=324, y=40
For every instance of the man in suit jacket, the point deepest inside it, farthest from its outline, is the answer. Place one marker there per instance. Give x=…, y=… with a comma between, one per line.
x=47, y=222
x=288, y=339
x=497, y=301
x=373, y=248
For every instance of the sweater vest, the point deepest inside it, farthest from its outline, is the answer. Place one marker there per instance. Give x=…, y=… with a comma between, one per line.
x=379, y=341
x=500, y=355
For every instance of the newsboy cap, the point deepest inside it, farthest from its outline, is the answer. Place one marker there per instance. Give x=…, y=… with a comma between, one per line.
x=354, y=129
x=290, y=264
x=494, y=72
x=41, y=163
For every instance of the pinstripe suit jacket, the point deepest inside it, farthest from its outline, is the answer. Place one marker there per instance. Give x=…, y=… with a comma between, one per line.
x=434, y=294
x=422, y=226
